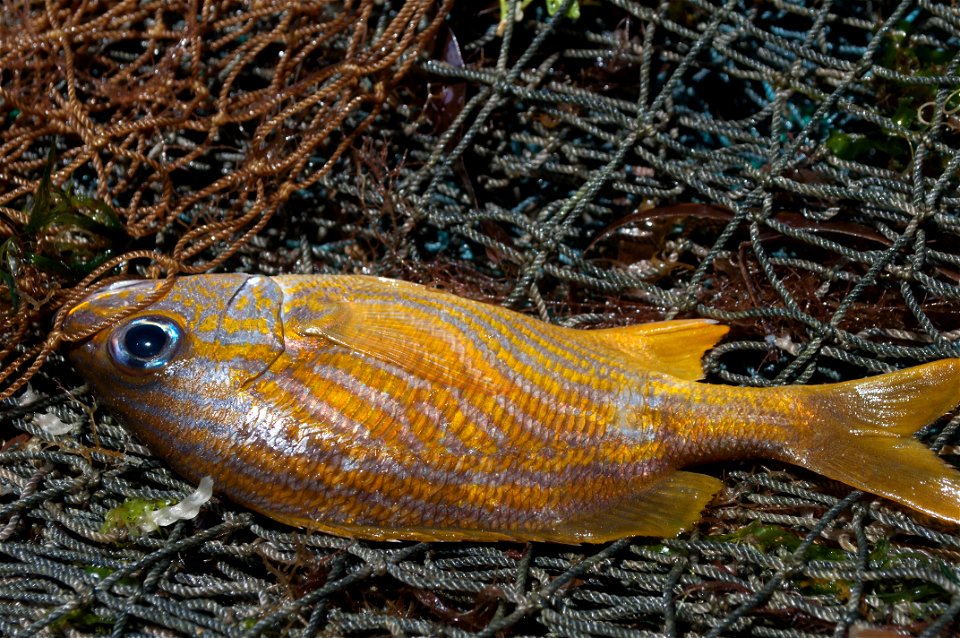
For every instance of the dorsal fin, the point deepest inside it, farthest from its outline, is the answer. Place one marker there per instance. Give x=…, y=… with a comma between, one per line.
x=671, y=347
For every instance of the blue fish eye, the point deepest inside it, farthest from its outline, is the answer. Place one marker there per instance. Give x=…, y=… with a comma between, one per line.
x=145, y=344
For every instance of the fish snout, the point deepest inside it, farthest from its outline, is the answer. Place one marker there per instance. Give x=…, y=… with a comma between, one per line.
x=106, y=302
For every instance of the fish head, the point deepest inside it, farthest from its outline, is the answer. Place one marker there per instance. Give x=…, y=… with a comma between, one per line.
x=192, y=350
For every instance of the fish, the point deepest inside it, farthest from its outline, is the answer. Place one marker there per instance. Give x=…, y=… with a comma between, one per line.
x=381, y=409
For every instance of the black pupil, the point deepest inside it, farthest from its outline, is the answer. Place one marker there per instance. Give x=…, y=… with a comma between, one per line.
x=145, y=341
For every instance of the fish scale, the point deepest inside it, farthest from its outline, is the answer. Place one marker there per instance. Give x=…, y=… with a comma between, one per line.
x=381, y=409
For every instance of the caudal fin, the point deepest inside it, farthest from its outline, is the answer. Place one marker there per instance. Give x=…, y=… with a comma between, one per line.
x=862, y=431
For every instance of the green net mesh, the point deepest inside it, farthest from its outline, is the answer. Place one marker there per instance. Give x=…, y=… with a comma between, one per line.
x=788, y=168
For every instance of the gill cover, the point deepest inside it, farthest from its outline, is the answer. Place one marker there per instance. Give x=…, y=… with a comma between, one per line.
x=251, y=326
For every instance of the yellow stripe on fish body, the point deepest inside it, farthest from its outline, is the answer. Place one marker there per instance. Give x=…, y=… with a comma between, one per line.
x=382, y=409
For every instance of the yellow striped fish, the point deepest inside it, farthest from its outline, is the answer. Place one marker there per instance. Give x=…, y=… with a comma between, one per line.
x=381, y=409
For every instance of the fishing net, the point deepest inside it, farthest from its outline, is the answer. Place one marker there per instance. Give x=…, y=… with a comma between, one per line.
x=788, y=168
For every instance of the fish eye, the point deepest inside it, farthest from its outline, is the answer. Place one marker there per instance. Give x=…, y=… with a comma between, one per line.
x=145, y=344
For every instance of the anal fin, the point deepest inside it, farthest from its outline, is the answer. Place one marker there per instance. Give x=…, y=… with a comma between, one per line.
x=663, y=510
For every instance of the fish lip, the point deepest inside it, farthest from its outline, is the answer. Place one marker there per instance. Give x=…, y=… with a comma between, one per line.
x=80, y=348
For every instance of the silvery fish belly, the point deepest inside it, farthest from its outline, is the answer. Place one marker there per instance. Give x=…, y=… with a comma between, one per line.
x=381, y=409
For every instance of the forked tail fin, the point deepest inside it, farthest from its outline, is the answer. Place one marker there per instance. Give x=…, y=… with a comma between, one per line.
x=862, y=435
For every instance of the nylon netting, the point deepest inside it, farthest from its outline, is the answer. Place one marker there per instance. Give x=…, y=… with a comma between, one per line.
x=788, y=168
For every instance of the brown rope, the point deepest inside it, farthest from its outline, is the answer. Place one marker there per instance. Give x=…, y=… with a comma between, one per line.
x=138, y=103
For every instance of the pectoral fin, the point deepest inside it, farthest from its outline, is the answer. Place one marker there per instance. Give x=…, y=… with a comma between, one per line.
x=420, y=344
x=663, y=510
x=672, y=347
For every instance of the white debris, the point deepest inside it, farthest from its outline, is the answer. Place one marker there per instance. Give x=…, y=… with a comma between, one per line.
x=784, y=343
x=49, y=422
x=184, y=510
x=28, y=396
x=53, y=425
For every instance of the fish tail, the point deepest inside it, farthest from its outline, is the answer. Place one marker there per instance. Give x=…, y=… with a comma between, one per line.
x=860, y=432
